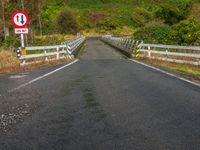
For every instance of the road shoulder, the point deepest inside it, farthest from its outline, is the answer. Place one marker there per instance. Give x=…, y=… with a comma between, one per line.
x=172, y=73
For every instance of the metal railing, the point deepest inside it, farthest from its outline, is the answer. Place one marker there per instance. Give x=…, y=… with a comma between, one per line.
x=50, y=52
x=125, y=44
x=170, y=53
x=73, y=44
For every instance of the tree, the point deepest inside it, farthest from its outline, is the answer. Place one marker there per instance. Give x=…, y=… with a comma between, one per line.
x=140, y=17
x=66, y=22
x=186, y=32
x=173, y=12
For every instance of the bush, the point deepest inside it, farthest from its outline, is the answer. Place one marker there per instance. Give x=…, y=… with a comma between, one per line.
x=48, y=19
x=84, y=20
x=107, y=25
x=66, y=22
x=154, y=34
x=187, y=32
x=10, y=41
x=8, y=59
x=173, y=12
x=140, y=17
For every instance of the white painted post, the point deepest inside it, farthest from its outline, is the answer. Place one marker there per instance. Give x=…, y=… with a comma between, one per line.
x=23, y=61
x=23, y=46
x=57, y=56
x=129, y=44
x=22, y=41
x=149, y=51
x=132, y=44
x=167, y=53
x=126, y=43
x=46, y=58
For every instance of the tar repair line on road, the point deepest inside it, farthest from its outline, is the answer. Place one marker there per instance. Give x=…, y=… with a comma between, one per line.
x=165, y=72
x=41, y=77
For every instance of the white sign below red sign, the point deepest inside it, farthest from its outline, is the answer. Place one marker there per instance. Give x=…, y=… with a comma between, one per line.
x=21, y=30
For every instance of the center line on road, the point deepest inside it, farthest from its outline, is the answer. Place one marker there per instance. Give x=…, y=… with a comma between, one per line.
x=165, y=72
x=43, y=76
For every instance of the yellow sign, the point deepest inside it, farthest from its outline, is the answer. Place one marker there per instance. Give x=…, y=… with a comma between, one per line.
x=24, y=52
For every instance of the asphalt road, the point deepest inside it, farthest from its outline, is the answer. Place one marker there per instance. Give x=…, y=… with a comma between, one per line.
x=102, y=102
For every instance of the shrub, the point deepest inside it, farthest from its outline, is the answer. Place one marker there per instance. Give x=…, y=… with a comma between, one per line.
x=49, y=22
x=66, y=22
x=173, y=12
x=187, y=32
x=154, y=34
x=10, y=41
x=7, y=59
x=140, y=17
x=107, y=25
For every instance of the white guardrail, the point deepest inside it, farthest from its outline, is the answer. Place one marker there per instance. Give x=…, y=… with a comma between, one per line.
x=50, y=52
x=170, y=53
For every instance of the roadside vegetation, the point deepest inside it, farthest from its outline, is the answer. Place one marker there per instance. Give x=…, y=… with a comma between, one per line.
x=188, y=71
x=9, y=63
x=8, y=60
x=164, y=22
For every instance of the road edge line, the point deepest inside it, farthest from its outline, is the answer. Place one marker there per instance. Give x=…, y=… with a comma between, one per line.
x=43, y=76
x=165, y=72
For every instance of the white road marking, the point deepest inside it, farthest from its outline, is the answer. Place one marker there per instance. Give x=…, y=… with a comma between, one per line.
x=43, y=76
x=165, y=72
x=17, y=76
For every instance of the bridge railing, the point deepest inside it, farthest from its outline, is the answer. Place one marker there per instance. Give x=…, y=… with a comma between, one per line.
x=54, y=52
x=170, y=53
x=125, y=44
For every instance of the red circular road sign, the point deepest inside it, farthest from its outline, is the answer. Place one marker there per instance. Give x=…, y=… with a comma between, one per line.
x=20, y=19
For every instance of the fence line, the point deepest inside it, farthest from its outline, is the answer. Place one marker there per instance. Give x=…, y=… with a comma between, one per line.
x=66, y=48
x=183, y=54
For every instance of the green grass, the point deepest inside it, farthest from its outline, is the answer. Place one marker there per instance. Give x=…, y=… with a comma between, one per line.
x=186, y=69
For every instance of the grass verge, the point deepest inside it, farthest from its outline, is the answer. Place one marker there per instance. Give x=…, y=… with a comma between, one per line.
x=8, y=60
x=9, y=63
x=188, y=71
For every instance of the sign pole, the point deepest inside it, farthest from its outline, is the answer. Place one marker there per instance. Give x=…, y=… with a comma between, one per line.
x=22, y=41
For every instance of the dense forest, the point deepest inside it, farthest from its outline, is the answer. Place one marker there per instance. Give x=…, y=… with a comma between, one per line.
x=153, y=21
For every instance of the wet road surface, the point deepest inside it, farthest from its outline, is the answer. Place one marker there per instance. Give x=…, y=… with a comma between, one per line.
x=102, y=102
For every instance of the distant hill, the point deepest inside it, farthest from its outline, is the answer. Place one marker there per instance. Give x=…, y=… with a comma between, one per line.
x=103, y=15
x=115, y=14
x=154, y=21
